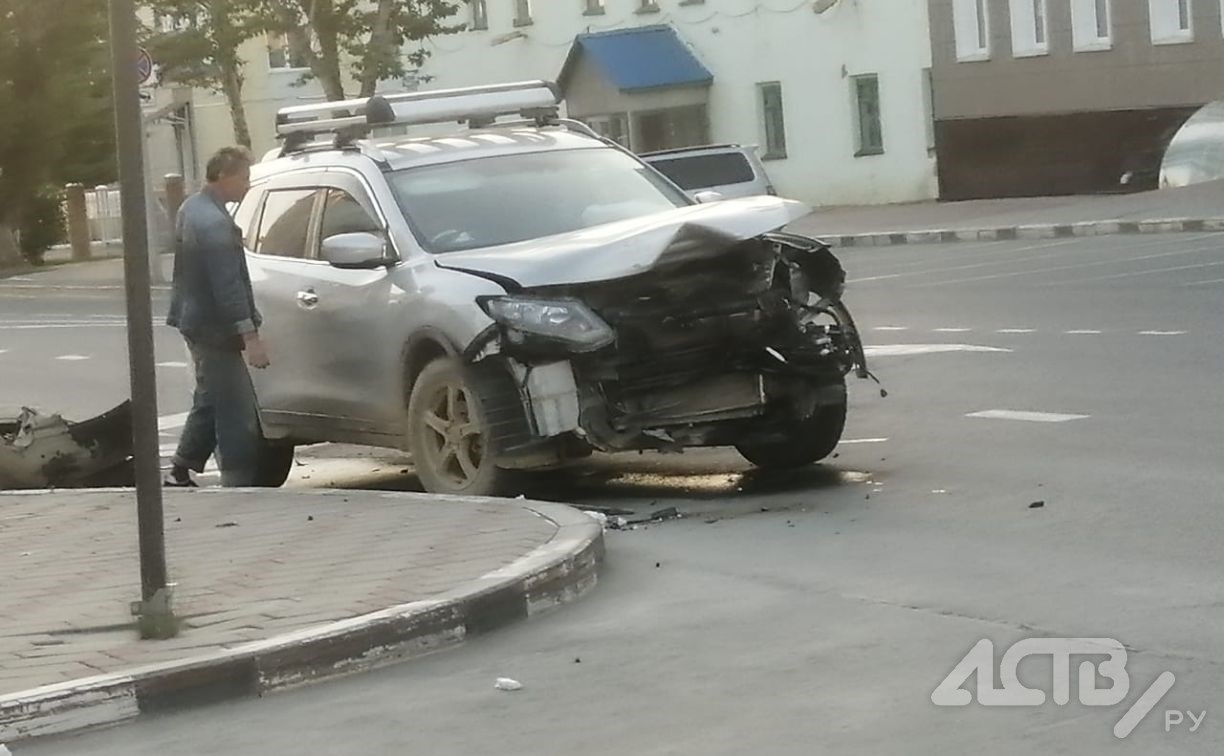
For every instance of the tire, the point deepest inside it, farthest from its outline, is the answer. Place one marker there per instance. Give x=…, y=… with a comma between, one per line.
x=275, y=462
x=450, y=434
x=806, y=441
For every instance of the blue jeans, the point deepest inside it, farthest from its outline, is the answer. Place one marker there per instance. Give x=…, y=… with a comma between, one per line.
x=224, y=417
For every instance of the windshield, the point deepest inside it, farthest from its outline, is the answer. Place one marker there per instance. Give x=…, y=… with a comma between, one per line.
x=488, y=202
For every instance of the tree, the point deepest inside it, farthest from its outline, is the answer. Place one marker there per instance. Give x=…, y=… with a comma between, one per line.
x=328, y=34
x=58, y=119
x=196, y=43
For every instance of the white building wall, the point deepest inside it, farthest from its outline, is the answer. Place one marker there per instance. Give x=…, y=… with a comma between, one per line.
x=742, y=42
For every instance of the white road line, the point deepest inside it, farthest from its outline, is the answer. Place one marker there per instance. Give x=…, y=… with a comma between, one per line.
x=1016, y=330
x=171, y=422
x=1032, y=417
x=1162, y=333
x=1205, y=283
x=172, y=364
x=1077, y=266
x=863, y=440
x=953, y=330
x=72, y=357
x=905, y=350
x=1083, y=332
x=891, y=328
x=1133, y=274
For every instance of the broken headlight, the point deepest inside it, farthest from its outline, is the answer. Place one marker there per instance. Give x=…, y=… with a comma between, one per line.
x=567, y=321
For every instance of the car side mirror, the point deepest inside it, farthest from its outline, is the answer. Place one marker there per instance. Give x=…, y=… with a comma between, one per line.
x=706, y=197
x=355, y=250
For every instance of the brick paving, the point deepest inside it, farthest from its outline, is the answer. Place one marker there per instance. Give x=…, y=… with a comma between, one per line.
x=248, y=566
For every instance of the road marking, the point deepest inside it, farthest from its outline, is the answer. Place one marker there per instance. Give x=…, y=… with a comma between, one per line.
x=171, y=422
x=953, y=330
x=1162, y=333
x=172, y=364
x=1032, y=417
x=1083, y=332
x=863, y=440
x=72, y=357
x=892, y=328
x=905, y=350
x=1016, y=330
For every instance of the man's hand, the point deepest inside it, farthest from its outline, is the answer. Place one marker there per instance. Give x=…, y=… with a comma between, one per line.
x=256, y=353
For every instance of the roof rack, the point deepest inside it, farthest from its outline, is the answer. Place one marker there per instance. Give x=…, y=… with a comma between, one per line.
x=349, y=120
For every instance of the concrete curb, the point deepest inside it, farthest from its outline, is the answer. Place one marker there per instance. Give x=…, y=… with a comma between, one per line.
x=1037, y=231
x=558, y=572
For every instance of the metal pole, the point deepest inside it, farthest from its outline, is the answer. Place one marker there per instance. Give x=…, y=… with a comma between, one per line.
x=156, y=618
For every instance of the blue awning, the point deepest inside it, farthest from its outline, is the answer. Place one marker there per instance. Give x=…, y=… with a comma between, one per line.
x=640, y=59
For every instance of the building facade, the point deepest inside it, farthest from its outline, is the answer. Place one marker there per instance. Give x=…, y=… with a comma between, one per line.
x=1046, y=97
x=833, y=92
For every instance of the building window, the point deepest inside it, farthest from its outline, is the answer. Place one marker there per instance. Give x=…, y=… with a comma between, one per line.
x=687, y=126
x=1172, y=21
x=480, y=15
x=971, y=19
x=869, y=132
x=614, y=126
x=522, y=12
x=281, y=56
x=647, y=6
x=594, y=8
x=773, y=120
x=1091, y=25
x=1028, y=28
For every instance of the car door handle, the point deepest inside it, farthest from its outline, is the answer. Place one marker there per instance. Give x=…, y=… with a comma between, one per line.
x=307, y=298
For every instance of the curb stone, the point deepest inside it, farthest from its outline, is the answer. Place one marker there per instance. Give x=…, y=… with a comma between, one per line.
x=1032, y=231
x=556, y=573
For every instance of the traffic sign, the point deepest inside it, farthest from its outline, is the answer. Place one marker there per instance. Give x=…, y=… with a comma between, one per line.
x=144, y=66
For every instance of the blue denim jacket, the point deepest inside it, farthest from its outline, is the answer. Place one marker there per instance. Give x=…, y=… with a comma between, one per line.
x=211, y=301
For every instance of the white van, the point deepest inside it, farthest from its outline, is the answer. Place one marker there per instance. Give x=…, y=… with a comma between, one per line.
x=731, y=170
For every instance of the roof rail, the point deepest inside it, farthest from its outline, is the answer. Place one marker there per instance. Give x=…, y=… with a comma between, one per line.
x=353, y=119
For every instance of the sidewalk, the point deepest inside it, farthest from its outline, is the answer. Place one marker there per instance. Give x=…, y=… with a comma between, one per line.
x=1193, y=208
x=274, y=588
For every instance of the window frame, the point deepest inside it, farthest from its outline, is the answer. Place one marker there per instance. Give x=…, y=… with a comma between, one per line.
x=861, y=147
x=480, y=15
x=1175, y=33
x=763, y=109
x=1030, y=35
x=971, y=18
x=287, y=50
x=594, y=8
x=1086, y=25
x=523, y=13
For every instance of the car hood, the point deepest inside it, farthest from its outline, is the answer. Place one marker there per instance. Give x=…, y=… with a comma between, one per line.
x=626, y=248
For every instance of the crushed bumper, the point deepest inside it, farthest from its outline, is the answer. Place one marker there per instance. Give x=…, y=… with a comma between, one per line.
x=46, y=451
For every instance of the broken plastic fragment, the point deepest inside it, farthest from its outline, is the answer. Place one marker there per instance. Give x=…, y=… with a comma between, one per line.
x=503, y=683
x=599, y=517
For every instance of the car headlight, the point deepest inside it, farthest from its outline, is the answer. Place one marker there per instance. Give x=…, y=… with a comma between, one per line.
x=568, y=321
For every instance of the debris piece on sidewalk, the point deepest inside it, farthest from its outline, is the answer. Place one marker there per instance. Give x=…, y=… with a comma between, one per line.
x=1037, y=505
x=576, y=661
x=309, y=518
x=228, y=525
x=47, y=451
x=939, y=491
x=659, y=515
x=507, y=684
x=599, y=517
x=618, y=523
x=610, y=511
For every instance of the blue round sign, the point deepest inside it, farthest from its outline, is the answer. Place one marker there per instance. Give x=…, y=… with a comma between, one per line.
x=144, y=66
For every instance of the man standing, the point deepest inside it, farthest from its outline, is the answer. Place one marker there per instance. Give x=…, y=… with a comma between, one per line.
x=213, y=306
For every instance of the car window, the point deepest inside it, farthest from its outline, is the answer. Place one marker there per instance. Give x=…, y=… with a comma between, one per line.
x=487, y=202
x=343, y=214
x=285, y=223
x=245, y=215
x=701, y=171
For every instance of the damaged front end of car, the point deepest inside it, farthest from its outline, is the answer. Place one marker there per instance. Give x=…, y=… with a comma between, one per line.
x=720, y=341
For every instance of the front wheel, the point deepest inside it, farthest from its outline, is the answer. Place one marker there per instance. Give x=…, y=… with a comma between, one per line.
x=449, y=433
x=804, y=441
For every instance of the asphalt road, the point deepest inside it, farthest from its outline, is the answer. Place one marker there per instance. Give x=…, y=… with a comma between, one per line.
x=817, y=612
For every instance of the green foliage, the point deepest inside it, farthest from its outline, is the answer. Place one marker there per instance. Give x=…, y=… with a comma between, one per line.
x=55, y=96
x=41, y=225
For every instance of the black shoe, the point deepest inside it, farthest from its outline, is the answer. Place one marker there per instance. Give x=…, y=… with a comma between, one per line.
x=179, y=477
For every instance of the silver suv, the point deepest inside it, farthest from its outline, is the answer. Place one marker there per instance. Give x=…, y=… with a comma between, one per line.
x=517, y=294
x=728, y=170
